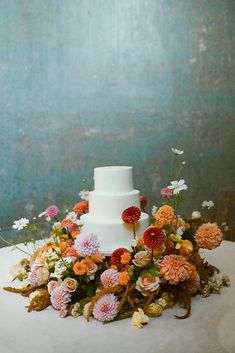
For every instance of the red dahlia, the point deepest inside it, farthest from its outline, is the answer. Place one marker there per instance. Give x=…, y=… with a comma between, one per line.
x=143, y=201
x=131, y=215
x=153, y=237
x=116, y=257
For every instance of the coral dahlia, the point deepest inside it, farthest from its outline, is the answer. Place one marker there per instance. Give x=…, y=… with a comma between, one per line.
x=175, y=269
x=208, y=236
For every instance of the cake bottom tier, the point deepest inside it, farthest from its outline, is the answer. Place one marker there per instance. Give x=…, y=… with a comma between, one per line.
x=114, y=235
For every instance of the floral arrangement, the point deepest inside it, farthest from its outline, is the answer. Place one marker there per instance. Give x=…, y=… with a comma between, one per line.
x=164, y=266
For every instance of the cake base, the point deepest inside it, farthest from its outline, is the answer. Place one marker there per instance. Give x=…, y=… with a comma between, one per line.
x=113, y=235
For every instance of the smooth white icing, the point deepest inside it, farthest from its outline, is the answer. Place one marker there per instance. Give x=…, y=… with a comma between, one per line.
x=110, y=206
x=113, y=179
x=113, y=193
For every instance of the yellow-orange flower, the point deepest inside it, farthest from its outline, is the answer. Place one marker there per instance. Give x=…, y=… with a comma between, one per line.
x=80, y=268
x=164, y=216
x=124, y=278
x=186, y=247
x=125, y=258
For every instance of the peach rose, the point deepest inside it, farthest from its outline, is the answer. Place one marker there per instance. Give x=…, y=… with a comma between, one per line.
x=147, y=283
x=142, y=258
x=70, y=284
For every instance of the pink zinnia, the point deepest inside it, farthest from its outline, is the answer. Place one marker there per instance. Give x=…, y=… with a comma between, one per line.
x=51, y=211
x=109, y=278
x=105, y=308
x=167, y=193
x=208, y=236
x=175, y=269
x=60, y=297
x=86, y=244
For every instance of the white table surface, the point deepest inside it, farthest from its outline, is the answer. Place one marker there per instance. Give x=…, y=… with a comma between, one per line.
x=210, y=328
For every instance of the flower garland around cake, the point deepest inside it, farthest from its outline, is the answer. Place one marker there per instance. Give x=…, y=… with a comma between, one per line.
x=164, y=266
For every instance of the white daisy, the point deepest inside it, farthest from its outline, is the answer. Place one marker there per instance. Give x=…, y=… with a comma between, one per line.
x=176, y=151
x=208, y=204
x=178, y=186
x=20, y=223
x=84, y=194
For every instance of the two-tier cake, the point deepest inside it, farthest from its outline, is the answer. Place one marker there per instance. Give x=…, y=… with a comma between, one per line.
x=113, y=193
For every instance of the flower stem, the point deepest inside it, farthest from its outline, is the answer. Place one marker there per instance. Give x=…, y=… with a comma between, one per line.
x=172, y=165
x=9, y=243
x=134, y=230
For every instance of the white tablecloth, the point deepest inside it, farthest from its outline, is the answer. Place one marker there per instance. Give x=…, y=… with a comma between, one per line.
x=210, y=327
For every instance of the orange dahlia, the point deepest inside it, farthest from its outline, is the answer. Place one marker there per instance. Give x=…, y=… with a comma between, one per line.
x=81, y=207
x=153, y=237
x=131, y=215
x=164, y=215
x=208, y=236
x=175, y=269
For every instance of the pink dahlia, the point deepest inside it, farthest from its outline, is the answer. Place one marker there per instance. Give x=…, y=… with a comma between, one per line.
x=208, y=236
x=175, y=269
x=105, y=308
x=51, y=211
x=109, y=278
x=60, y=297
x=166, y=193
x=86, y=244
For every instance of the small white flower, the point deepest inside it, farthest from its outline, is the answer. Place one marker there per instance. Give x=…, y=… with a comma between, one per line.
x=72, y=216
x=41, y=214
x=154, y=210
x=56, y=225
x=224, y=226
x=180, y=231
x=84, y=194
x=208, y=204
x=20, y=224
x=196, y=215
x=178, y=186
x=176, y=151
x=184, y=162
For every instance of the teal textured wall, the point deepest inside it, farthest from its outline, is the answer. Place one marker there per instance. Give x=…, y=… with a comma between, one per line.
x=86, y=83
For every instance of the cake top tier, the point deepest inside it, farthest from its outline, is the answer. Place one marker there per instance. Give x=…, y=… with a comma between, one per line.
x=113, y=179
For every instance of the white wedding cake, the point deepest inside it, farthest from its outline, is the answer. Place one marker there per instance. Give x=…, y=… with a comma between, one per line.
x=113, y=193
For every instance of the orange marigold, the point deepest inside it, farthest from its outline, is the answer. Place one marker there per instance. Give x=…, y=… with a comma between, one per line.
x=208, y=236
x=124, y=278
x=79, y=268
x=125, y=258
x=164, y=215
x=81, y=207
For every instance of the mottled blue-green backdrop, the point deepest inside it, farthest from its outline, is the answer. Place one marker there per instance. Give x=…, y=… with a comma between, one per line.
x=87, y=83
